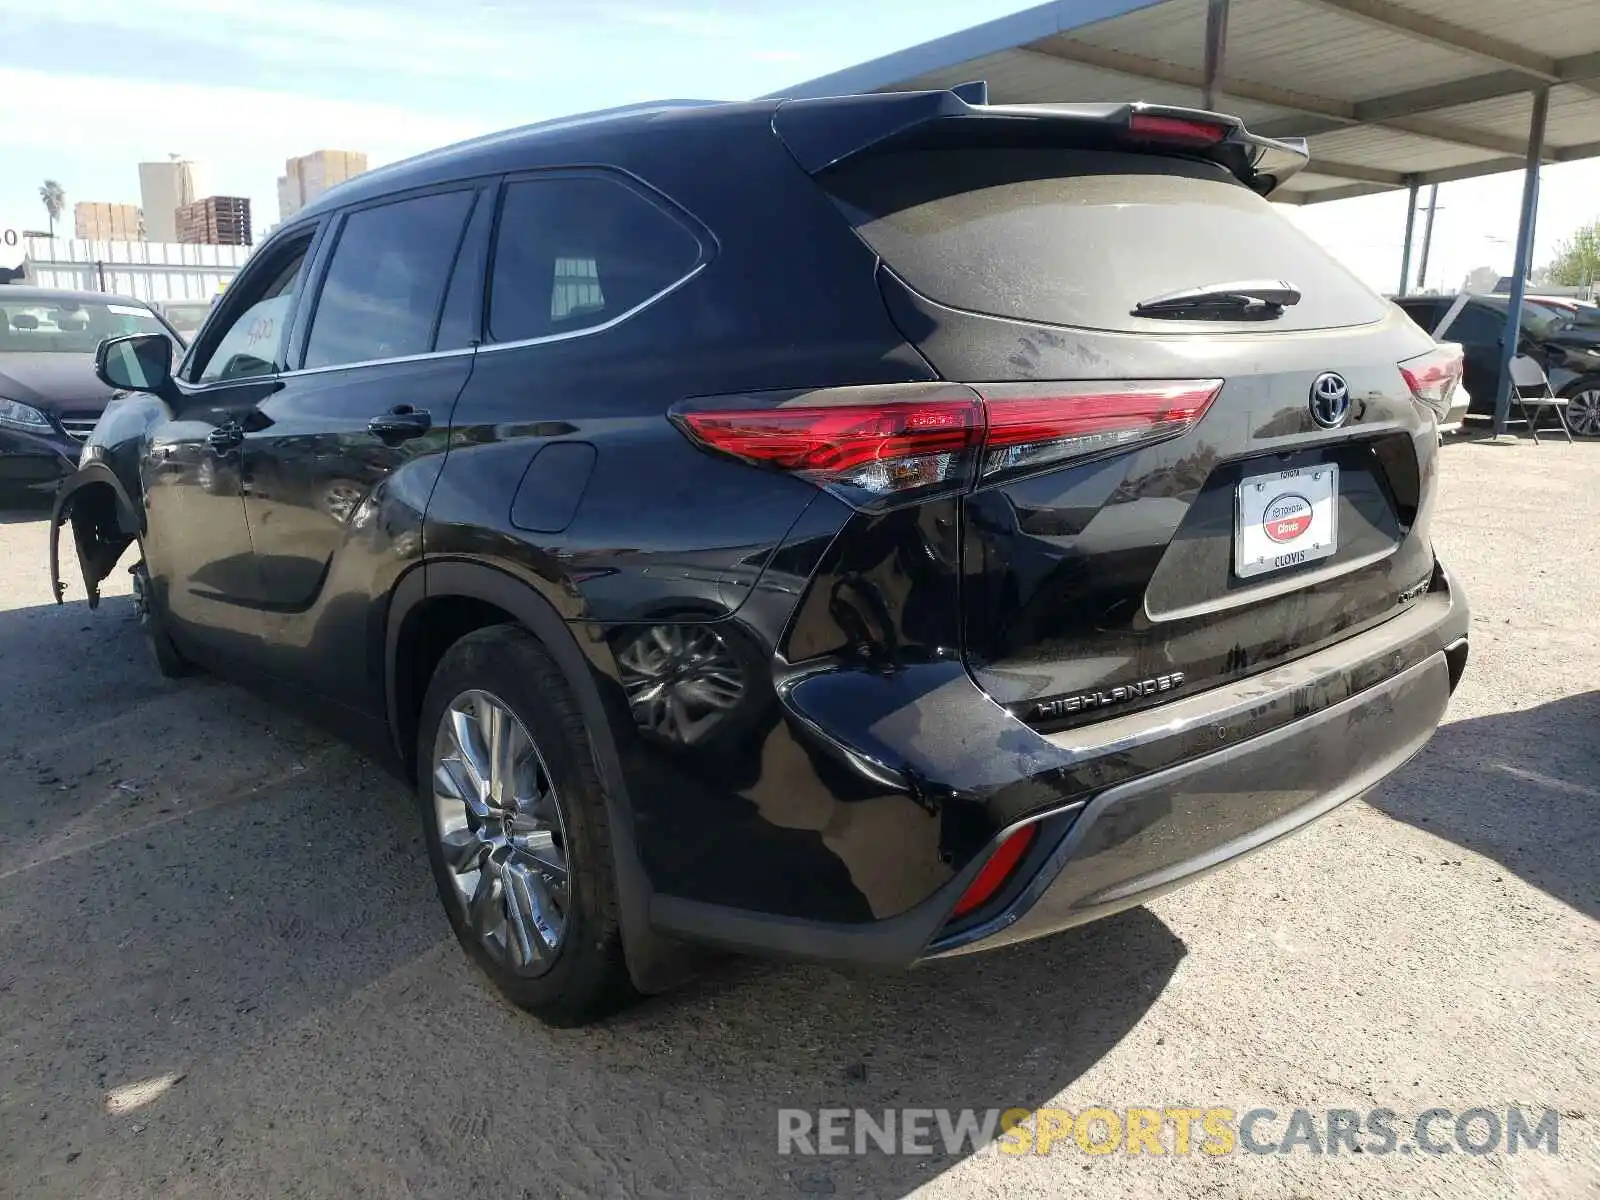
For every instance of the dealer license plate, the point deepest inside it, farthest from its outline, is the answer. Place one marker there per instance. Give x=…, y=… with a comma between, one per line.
x=1285, y=519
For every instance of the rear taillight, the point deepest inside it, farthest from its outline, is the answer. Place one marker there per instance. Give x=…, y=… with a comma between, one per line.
x=875, y=446
x=996, y=871
x=868, y=445
x=1434, y=376
x=1034, y=425
x=1183, y=131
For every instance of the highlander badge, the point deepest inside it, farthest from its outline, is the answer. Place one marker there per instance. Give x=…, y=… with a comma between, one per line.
x=1067, y=705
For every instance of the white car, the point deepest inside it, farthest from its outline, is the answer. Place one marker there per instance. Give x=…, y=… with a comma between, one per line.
x=1459, y=401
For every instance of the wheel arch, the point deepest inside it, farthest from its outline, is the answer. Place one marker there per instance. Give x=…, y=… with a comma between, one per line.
x=1582, y=383
x=655, y=962
x=97, y=553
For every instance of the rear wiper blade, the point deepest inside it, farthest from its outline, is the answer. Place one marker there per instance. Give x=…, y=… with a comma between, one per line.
x=1246, y=299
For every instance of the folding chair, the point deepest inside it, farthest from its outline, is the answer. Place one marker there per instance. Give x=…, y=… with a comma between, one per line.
x=1530, y=392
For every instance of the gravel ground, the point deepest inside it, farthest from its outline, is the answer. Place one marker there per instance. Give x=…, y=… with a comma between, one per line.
x=223, y=971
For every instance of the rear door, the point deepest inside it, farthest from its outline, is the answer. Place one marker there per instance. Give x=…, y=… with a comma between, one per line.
x=1481, y=332
x=1169, y=499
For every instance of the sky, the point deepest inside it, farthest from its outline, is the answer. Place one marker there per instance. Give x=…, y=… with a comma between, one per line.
x=93, y=87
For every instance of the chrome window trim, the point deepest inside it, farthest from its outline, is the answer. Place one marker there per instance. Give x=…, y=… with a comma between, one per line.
x=372, y=362
x=569, y=335
x=480, y=348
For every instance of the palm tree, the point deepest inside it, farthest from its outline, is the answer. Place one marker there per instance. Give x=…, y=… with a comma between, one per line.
x=55, y=199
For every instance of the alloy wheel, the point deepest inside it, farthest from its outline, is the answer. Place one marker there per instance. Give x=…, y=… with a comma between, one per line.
x=502, y=832
x=681, y=681
x=1583, y=412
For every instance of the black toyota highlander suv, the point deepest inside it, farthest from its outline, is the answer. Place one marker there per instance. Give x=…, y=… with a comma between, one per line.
x=872, y=528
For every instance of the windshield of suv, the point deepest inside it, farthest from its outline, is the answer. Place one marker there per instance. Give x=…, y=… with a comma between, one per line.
x=60, y=325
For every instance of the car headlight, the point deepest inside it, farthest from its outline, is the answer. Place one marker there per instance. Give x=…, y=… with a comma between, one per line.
x=16, y=415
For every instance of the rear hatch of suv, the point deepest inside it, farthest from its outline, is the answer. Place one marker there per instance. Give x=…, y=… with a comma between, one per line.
x=1209, y=447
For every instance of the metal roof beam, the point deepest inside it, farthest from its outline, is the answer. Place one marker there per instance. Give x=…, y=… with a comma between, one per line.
x=1342, y=170
x=1137, y=66
x=1474, y=170
x=1348, y=192
x=1393, y=19
x=1460, y=135
x=1581, y=69
x=1326, y=113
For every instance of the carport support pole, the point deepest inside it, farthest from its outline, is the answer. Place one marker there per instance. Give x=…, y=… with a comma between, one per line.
x=1405, y=253
x=1216, y=47
x=1519, y=276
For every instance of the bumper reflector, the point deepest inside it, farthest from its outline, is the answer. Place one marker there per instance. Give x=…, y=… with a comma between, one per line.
x=997, y=870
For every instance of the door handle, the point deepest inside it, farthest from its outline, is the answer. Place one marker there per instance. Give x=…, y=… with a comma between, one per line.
x=401, y=423
x=225, y=437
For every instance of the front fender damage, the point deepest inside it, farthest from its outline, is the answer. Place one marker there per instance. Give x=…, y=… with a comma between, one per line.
x=103, y=527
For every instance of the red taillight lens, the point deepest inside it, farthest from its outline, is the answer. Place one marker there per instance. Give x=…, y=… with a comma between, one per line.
x=996, y=871
x=1153, y=127
x=866, y=451
x=878, y=445
x=1034, y=425
x=1434, y=376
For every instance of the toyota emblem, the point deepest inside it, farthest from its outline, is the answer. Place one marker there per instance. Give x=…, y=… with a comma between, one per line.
x=1330, y=400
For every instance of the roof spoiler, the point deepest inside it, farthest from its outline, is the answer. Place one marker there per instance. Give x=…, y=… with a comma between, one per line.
x=822, y=133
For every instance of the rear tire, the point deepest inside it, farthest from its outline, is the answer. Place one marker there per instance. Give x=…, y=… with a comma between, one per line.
x=517, y=830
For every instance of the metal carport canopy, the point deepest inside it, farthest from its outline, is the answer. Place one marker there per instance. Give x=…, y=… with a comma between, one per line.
x=1389, y=93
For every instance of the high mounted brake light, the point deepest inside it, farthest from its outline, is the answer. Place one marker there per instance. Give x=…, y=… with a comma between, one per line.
x=877, y=446
x=1153, y=127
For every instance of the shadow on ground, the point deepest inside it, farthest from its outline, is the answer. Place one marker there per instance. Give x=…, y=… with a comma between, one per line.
x=195, y=886
x=1521, y=787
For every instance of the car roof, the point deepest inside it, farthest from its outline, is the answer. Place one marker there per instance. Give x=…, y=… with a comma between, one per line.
x=509, y=150
x=36, y=294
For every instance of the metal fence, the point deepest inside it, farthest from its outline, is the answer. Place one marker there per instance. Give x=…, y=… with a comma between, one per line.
x=145, y=270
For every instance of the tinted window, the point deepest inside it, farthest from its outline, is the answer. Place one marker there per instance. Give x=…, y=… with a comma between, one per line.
x=1081, y=237
x=1476, y=325
x=572, y=253
x=458, y=325
x=253, y=342
x=384, y=286
x=1425, y=313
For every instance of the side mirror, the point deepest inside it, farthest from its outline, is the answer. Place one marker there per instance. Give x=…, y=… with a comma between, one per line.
x=139, y=362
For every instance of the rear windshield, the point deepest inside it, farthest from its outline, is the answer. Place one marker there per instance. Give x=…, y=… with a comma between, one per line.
x=1080, y=237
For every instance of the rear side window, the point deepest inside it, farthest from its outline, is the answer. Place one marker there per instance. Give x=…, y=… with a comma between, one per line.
x=1426, y=313
x=381, y=296
x=1079, y=237
x=573, y=252
x=1476, y=326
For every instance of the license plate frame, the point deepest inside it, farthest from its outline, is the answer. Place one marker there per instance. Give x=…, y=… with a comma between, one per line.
x=1284, y=519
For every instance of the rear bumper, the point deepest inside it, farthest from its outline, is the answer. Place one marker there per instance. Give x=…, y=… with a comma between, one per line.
x=1153, y=799
x=1143, y=838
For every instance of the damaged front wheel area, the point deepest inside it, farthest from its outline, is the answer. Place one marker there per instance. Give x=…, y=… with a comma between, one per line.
x=168, y=658
x=104, y=524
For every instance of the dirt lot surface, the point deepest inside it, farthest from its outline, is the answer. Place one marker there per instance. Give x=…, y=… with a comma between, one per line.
x=223, y=971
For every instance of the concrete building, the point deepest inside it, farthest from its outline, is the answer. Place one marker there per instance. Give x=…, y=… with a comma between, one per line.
x=102, y=221
x=307, y=177
x=164, y=188
x=216, y=220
